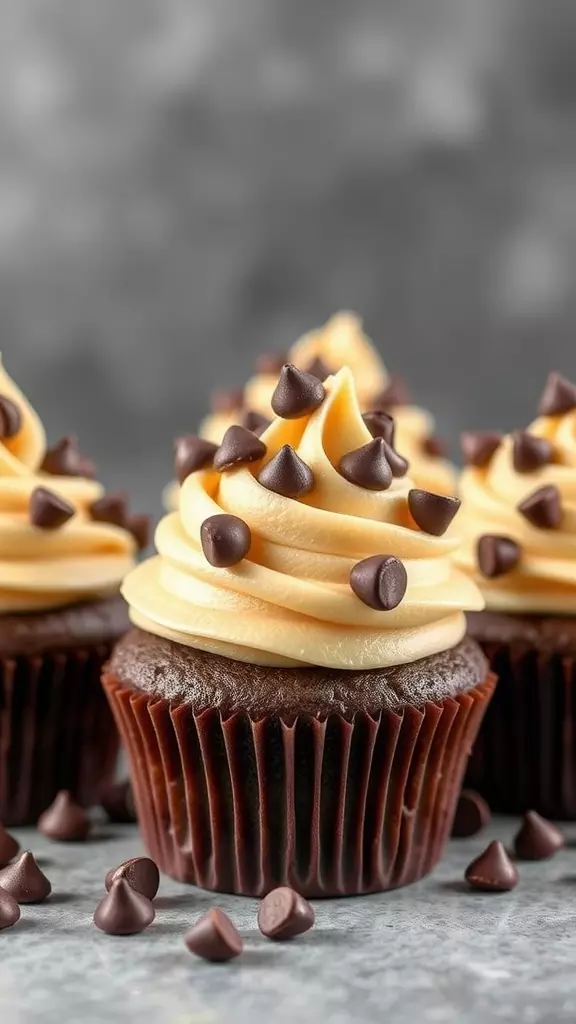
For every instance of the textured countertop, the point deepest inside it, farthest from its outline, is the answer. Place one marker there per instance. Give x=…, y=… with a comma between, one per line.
x=435, y=952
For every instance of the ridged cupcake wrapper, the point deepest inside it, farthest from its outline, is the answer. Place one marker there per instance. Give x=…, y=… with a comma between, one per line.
x=525, y=755
x=331, y=807
x=56, y=732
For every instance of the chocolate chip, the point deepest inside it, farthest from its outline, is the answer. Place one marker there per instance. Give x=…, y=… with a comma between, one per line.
x=255, y=422
x=283, y=914
x=379, y=581
x=492, y=871
x=435, y=447
x=238, y=445
x=297, y=393
x=318, y=368
x=530, y=452
x=367, y=466
x=118, y=802
x=543, y=508
x=380, y=424
x=497, y=555
x=192, y=453
x=558, y=397
x=123, y=911
x=397, y=462
x=433, y=513
x=9, y=910
x=10, y=418
x=24, y=880
x=111, y=508
x=287, y=474
x=270, y=363
x=65, y=459
x=214, y=937
x=393, y=395
x=138, y=525
x=141, y=873
x=472, y=814
x=9, y=847
x=65, y=821
x=479, y=446
x=48, y=511
x=225, y=540
x=227, y=399
x=537, y=838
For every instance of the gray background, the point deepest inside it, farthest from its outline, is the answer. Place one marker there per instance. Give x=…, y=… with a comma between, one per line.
x=184, y=183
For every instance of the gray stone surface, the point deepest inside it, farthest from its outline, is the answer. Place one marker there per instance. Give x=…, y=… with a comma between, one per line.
x=434, y=953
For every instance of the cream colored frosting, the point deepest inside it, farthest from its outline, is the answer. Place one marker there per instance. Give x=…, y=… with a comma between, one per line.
x=42, y=569
x=289, y=602
x=544, y=581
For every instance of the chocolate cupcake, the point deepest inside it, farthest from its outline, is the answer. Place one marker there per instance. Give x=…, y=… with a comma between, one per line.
x=518, y=526
x=63, y=553
x=298, y=700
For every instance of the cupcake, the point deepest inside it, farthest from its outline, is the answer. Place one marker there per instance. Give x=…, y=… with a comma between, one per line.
x=298, y=699
x=518, y=529
x=340, y=342
x=64, y=548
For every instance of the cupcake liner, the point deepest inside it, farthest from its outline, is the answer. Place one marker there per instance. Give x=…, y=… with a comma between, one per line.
x=56, y=732
x=525, y=754
x=331, y=806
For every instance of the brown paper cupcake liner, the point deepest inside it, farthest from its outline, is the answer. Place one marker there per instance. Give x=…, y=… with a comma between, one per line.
x=525, y=754
x=331, y=807
x=56, y=732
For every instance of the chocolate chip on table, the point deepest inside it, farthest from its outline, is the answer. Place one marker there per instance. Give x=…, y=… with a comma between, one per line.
x=10, y=418
x=367, y=466
x=558, y=397
x=48, y=511
x=214, y=937
x=227, y=399
x=138, y=524
x=141, y=873
x=110, y=508
x=479, y=446
x=472, y=814
x=123, y=911
x=9, y=910
x=283, y=914
x=65, y=821
x=118, y=802
x=497, y=555
x=287, y=474
x=297, y=393
x=318, y=368
x=192, y=453
x=492, y=871
x=379, y=581
x=225, y=540
x=24, y=880
x=9, y=847
x=529, y=452
x=394, y=394
x=65, y=459
x=254, y=421
x=433, y=513
x=238, y=445
x=543, y=508
x=269, y=364
x=537, y=838
x=380, y=424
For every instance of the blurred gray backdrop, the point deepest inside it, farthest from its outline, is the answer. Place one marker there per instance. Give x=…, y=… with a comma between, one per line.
x=184, y=183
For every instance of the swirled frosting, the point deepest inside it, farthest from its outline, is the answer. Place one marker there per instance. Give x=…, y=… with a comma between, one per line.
x=289, y=601
x=42, y=569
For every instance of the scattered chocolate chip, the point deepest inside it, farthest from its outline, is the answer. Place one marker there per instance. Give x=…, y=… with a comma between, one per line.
x=434, y=446
x=255, y=422
x=10, y=418
x=558, y=397
x=138, y=525
x=64, y=821
x=287, y=474
x=380, y=424
x=9, y=847
x=318, y=368
x=270, y=363
x=48, y=511
x=24, y=880
x=543, y=508
x=9, y=910
x=192, y=453
x=283, y=914
x=227, y=399
x=238, y=445
x=530, y=452
x=65, y=459
x=394, y=394
x=472, y=814
x=379, y=581
x=297, y=393
x=141, y=873
x=537, y=838
x=367, y=466
x=214, y=937
x=111, y=508
x=225, y=540
x=433, y=513
x=497, y=555
x=492, y=871
x=123, y=911
x=118, y=802
x=479, y=446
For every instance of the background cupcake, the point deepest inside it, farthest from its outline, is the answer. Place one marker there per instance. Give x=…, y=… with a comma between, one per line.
x=64, y=548
x=298, y=701
x=518, y=526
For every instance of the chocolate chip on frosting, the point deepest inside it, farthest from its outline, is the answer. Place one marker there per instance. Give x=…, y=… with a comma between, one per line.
x=398, y=464
x=111, y=508
x=394, y=394
x=65, y=459
x=543, y=508
x=433, y=513
x=497, y=555
x=558, y=397
x=138, y=524
x=479, y=446
x=379, y=581
x=227, y=399
x=255, y=422
x=530, y=452
x=270, y=363
x=10, y=418
x=225, y=540
x=287, y=474
x=368, y=466
x=380, y=424
x=318, y=368
x=297, y=393
x=238, y=445
x=192, y=453
x=435, y=447
x=48, y=511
